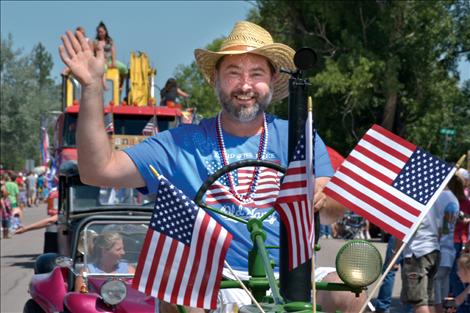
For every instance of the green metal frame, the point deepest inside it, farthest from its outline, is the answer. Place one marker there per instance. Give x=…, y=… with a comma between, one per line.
x=260, y=267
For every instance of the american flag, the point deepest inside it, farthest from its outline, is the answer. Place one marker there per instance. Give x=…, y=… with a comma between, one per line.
x=45, y=147
x=108, y=123
x=183, y=253
x=294, y=203
x=151, y=127
x=390, y=182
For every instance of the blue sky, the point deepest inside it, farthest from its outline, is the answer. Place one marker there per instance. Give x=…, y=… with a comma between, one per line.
x=168, y=31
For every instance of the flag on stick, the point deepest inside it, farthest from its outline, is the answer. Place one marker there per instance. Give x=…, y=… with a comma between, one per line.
x=183, y=253
x=390, y=182
x=150, y=128
x=295, y=199
x=108, y=123
x=45, y=147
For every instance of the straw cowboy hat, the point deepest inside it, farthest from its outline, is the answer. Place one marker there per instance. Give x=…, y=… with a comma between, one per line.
x=247, y=37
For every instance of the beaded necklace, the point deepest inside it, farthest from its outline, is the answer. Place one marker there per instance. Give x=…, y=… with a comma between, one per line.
x=263, y=143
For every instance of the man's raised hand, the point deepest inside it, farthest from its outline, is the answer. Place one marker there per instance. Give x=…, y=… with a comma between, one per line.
x=77, y=54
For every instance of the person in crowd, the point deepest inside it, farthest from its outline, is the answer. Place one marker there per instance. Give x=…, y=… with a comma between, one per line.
x=12, y=189
x=463, y=265
x=107, y=251
x=448, y=203
x=465, y=176
x=104, y=42
x=169, y=93
x=421, y=262
x=461, y=236
x=383, y=301
x=6, y=209
x=246, y=76
x=365, y=230
x=325, y=231
x=40, y=189
x=31, y=188
x=18, y=212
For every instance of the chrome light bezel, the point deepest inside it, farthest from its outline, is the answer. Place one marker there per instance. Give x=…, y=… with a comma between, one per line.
x=113, y=292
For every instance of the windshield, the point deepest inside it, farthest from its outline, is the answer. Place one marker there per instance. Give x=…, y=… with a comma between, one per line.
x=132, y=125
x=111, y=247
x=84, y=197
x=70, y=126
x=135, y=124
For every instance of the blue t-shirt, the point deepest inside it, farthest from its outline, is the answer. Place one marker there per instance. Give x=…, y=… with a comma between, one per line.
x=187, y=155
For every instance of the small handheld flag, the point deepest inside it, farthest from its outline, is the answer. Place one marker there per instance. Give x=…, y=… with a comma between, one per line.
x=390, y=182
x=295, y=200
x=183, y=253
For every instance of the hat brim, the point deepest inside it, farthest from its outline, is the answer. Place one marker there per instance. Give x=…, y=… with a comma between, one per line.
x=279, y=55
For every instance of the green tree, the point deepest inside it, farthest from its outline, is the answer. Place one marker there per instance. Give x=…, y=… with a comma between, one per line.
x=26, y=92
x=387, y=62
x=190, y=79
x=42, y=62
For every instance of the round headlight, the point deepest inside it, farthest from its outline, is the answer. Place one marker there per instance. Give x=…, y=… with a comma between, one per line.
x=113, y=292
x=358, y=263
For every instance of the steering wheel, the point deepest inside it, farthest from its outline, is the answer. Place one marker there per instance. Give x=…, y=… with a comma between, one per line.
x=254, y=225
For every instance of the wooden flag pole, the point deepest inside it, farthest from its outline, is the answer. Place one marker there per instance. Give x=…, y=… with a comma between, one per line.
x=312, y=274
x=154, y=171
x=460, y=161
x=379, y=283
x=244, y=287
x=397, y=254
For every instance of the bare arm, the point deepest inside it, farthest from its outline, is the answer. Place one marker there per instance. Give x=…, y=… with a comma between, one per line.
x=98, y=163
x=38, y=225
x=113, y=55
x=330, y=209
x=182, y=93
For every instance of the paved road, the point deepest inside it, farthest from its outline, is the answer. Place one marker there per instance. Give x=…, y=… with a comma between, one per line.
x=17, y=258
x=327, y=254
x=18, y=255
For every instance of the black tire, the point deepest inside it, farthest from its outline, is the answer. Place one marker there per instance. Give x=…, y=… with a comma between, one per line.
x=32, y=307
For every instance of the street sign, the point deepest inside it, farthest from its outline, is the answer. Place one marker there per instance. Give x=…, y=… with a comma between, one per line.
x=447, y=131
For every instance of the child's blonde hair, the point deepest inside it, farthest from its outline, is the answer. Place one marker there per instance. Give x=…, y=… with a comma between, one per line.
x=464, y=262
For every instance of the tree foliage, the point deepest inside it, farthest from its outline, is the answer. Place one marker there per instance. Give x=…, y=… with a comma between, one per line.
x=190, y=79
x=387, y=62
x=27, y=91
x=393, y=63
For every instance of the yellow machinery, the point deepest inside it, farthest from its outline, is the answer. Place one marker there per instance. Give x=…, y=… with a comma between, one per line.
x=142, y=78
x=141, y=81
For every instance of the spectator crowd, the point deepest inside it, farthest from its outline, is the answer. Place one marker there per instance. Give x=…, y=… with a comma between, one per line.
x=18, y=191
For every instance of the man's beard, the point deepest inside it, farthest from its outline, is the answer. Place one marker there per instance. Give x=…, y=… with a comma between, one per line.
x=242, y=113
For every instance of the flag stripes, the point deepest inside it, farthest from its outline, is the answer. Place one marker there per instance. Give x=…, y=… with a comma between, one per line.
x=367, y=182
x=176, y=272
x=295, y=199
x=266, y=191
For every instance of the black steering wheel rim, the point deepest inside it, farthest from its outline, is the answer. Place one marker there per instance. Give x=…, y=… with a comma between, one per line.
x=231, y=167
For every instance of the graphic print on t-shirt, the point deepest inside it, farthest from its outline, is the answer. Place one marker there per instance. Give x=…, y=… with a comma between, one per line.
x=267, y=188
